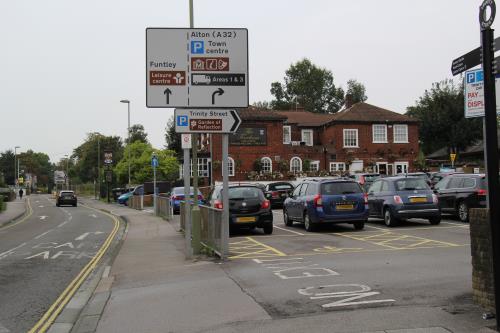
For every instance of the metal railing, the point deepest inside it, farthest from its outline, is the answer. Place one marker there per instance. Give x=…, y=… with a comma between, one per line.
x=182, y=215
x=163, y=207
x=136, y=202
x=212, y=231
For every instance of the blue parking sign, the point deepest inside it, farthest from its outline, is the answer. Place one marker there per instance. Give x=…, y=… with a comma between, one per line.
x=182, y=120
x=197, y=47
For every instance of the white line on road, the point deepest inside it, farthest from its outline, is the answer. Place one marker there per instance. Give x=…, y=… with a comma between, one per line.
x=41, y=206
x=3, y=329
x=459, y=224
x=43, y=217
x=60, y=225
x=93, y=215
x=4, y=253
x=41, y=235
x=293, y=232
x=83, y=236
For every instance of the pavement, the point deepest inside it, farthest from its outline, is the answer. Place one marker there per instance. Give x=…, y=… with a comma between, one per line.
x=15, y=209
x=150, y=287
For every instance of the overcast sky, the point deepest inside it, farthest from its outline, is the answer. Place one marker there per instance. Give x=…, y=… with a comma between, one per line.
x=65, y=65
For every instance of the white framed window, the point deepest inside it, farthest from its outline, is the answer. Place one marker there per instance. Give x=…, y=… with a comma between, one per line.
x=230, y=166
x=314, y=166
x=400, y=167
x=307, y=136
x=337, y=166
x=350, y=138
x=400, y=133
x=379, y=133
x=295, y=164
x=267, y=165
x=287, y=134
x=202, y=167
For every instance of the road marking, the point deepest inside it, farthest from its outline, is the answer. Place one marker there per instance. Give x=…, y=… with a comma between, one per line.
x=251, y=248
x=293, y=232
x=43, y=217
x=3, y=329
x=83, y=236
x=60, y=225
x=30, y=212
x=93, y=215
x=333, y=249
x=9, y=252
x=457, y=224
x=41, y=235
x=396, y=241
x=41, y=206
x=49, y=317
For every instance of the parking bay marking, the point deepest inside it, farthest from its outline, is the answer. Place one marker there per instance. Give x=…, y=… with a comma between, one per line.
x=397, y=241
x=251, y=248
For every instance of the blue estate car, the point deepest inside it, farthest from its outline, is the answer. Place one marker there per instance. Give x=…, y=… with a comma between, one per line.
x=315, y=202
x=401, y=197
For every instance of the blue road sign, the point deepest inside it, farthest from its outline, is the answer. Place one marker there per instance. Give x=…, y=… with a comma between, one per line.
x=182, y=120
x=197, y=47
x=154, y=161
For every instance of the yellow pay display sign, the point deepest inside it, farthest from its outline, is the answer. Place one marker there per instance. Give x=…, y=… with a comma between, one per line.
x=452, y=157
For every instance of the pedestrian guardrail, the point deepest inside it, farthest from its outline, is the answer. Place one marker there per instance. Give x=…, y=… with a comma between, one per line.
x=163, y=208
x=182, y=214
x=136, y=202
x=212, y=231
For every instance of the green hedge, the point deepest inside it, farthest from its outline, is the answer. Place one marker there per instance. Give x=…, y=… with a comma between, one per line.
x=2, y=205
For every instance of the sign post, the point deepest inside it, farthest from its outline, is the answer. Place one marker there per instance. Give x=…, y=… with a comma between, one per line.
x=154, y=164
x=186, y=146
x=452, y=158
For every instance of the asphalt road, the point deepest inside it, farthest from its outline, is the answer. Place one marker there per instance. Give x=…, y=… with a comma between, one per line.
x=41, y=255
x=294, y=273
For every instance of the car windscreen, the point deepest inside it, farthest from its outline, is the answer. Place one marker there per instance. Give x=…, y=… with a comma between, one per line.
x=338, y=188
x=240, y=193
x=66, y=193
x=180, y=191
x=275, y=187
x=411, y=184
x=371, y=178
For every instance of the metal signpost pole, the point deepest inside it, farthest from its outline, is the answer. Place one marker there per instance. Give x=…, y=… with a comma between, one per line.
x=99, y=167
x=491, y=143
x=154, y=162
x=225, y=195
x=187, y=209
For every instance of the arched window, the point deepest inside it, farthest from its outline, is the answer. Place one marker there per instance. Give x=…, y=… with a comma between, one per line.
x=295, y=165
x=230, y=166
x=267, y=165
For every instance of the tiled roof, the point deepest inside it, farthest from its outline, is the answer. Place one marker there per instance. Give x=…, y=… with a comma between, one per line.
x=304, y=118
x=252, y=113
x=364, y=112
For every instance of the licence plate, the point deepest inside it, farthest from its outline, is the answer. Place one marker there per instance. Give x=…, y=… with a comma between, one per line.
x=245, y=219
x=419, y=199
x=344, y=207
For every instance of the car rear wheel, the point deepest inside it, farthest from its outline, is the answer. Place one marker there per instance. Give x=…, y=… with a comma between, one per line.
x=286, y=218
x=359, y=225
x=389, y=218
x=463, y=211
x=308, y=225
x=268, y=229
x=435, y=220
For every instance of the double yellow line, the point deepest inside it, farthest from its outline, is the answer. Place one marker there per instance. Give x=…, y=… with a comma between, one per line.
x=49, y=317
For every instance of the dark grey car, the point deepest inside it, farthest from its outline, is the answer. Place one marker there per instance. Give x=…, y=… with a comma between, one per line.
x=400, y=197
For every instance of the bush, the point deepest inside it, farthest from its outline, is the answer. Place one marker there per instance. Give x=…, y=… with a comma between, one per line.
x=2, y=205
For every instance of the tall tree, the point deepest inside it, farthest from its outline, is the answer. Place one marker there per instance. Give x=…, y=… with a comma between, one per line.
x=7, y=166
x=172, y=138
x=137, y=133
x=442, y=122
x=309, y=86
x=86, y=154
x=37, y=164
x=357, y=91
x=140, y=161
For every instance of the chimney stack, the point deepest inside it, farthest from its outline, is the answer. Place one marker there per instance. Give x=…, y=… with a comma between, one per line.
x=348, y=101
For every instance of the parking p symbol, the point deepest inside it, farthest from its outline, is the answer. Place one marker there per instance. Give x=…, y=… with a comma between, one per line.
x=182, y=120
x=197, y=47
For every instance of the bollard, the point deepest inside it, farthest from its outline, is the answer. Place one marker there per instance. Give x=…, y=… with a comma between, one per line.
x=196, y=229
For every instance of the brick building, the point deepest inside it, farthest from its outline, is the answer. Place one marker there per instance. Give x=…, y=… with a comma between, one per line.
x=275, y=144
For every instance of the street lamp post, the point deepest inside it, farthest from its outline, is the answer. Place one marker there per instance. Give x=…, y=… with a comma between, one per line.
x=67, y=171
x=16, y=168
x=128, y=130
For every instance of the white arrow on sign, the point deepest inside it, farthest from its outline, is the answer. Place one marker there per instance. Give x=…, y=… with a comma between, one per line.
x=83, y=236
x=206, y=121
x=43, y=217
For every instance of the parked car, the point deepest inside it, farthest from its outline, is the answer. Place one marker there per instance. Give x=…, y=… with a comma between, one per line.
x=437, y=176
x=365, y=179
x=402, y=197
x=177, y=196
x=277, y=192
x=327, y=201
x=123, y=199
x=66, y=198
x=421, y=175
x=458, y=193
x=248, y=208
